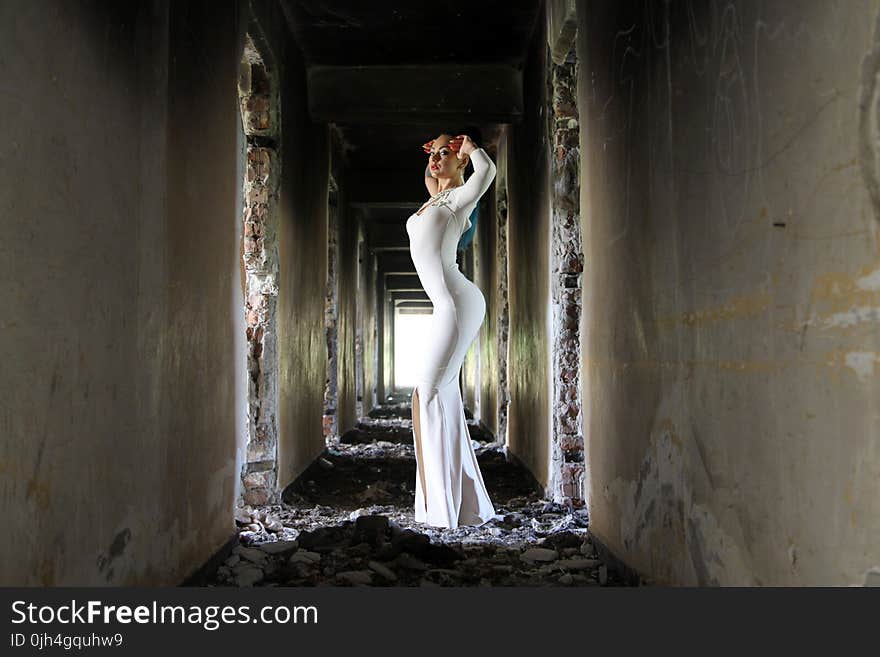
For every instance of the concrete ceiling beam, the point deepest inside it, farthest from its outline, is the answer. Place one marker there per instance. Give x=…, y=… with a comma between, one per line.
x=395, y=262
x=397, y=297
x=402, y=282
x=416, y=94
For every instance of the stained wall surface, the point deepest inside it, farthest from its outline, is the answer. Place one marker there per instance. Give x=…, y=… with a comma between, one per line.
x=731, y=288
x=122, y=301
x=484, y=245
x=469, y=375
x=370, y=330
x=528, y=167
x=348, y=270
x=124, y=344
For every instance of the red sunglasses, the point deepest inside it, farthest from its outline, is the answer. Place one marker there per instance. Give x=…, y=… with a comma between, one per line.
x=454, y=144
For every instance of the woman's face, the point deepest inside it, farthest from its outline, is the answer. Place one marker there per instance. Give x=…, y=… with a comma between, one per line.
x=443, y=161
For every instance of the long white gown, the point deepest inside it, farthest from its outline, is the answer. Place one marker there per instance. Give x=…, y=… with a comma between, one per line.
x=453, y=493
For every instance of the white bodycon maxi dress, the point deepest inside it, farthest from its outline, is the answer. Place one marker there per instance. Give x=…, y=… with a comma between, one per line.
x=453, y=493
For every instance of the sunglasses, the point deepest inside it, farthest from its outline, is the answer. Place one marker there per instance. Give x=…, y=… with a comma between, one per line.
x=454, y=144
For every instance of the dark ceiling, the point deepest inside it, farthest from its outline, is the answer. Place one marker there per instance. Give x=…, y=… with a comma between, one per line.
x=390, y=76
x=367, y=33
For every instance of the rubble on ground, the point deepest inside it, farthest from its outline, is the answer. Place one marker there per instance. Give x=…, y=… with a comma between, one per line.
x=348, y=521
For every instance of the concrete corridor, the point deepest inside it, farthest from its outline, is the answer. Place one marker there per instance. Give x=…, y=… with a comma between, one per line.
x=208, y=284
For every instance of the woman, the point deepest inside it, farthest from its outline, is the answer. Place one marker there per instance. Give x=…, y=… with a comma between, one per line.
x=449, y=486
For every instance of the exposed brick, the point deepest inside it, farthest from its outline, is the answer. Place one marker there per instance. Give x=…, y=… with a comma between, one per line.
x=265, y=479
x=259, y=111
x=566, y=267
x=571, y=442
x=257, y=496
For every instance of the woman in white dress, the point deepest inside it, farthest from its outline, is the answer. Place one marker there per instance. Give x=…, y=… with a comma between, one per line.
x=449, y=485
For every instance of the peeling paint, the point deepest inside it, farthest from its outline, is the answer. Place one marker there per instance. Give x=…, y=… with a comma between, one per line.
x=660, y=514
x=841, y=290
x=848, y=318
x=870, y=281
x=862, y=363
x=770, y=261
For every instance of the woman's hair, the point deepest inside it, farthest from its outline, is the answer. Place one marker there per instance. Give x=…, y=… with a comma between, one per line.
x=477, y=137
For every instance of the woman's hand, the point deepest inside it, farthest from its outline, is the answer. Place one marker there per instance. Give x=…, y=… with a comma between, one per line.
x=462, y=145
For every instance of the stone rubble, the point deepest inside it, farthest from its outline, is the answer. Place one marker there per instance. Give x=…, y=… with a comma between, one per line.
x=348, y=521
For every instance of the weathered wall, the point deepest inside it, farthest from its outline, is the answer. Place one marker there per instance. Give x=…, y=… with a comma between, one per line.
x=567, y=468
x=385, y=317
x=302, y=250
x=370, y=331
x=469, y=375
x=485, y=245
x=259, y=105
x=528, y=250
x=501, y=292
x=731, y=290
x=347, y=279
x=122, y=303
x=362, y=303
x=330, y=304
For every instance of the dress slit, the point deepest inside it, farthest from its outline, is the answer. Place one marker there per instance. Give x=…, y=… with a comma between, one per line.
x=417, y=432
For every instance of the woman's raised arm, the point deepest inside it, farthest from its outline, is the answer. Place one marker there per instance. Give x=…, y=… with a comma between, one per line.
x=481, y=178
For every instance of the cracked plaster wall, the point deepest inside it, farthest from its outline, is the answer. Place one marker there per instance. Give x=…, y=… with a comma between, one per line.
x=123, y=329
x=731, y=297
x=528, y=247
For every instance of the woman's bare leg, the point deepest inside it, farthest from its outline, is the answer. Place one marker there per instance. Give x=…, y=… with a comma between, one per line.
x=420, y=466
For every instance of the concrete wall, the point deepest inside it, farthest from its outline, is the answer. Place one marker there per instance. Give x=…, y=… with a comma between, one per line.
x=302, y=250
x=371, y=335
x=122, y=305
x=124, y=340
x=484, y=245
x=469, y=375
x=529, y=285
x=385, y=319
x=348, y=268
x=731, y=289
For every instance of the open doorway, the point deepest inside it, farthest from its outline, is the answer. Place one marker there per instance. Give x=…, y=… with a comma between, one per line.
x=410, y=326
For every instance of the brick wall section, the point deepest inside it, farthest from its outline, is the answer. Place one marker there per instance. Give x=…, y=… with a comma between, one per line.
x=331, y=317
x=259, y=119
x=503, y=322
x=567, y=447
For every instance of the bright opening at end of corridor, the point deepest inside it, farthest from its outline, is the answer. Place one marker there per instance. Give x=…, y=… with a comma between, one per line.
x=409, y=329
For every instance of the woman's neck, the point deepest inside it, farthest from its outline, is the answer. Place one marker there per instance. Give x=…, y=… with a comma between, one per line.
x=448, y=183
